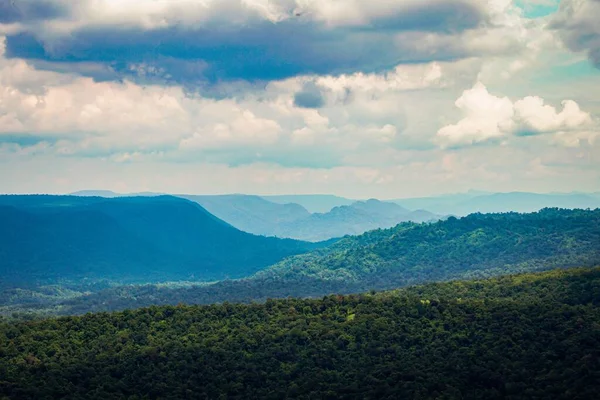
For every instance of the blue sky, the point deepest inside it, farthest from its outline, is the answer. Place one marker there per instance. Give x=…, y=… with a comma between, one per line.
x=363, y=99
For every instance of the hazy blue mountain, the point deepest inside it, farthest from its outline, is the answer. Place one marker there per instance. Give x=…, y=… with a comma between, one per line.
x=51, y=238
x=355, y=219
x=314, y=203
x=96, y=193
x=251, y=214
x=111, y=194
x=464, y=204
x=257, y=215
x=438, y=204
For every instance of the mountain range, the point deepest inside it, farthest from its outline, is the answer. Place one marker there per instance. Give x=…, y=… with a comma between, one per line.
x=476, y=246
x=321, y=217
x=273, y=216
x=472, y=202
x=256, y=215
x=58, y=238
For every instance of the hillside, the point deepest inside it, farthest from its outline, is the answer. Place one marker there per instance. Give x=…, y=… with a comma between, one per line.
x=471, y=247
x=48, y=239
x=314, y=203
x=256, y=215
x=354, y=219
x=519, y=337
x=266, y=217
x=251, y=214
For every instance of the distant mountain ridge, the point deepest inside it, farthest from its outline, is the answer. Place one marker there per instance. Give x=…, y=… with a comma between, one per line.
x=294, y=216
x=53, y=238
x=260, y=216
x=472, y=202
x=314, y=203
x=354, y=219
x=251, y=213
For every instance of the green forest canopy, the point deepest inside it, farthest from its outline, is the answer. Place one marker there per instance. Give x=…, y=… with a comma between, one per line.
x=522, y=336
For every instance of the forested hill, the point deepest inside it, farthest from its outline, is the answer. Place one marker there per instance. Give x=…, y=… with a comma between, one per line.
x=52, y=238
x=471, y=247
x=478, y=245
x=519, y=337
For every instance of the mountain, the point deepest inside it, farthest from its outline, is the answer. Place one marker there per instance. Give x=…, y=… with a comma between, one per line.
x=97, y=193
x=472, y=202
x=473, y=246
x=111, y=194
x=54, y=238
x=531, y=336
x=251, y=214
x=355, y=219
x=470, y=247
x=314, y=203
x=259, y=216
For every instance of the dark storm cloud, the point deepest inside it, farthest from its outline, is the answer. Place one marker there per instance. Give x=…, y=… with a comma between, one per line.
x=12, y=11
x=577, y=23
x=260, y=50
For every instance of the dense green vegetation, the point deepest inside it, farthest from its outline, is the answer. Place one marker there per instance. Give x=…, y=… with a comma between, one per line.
x=50, y=239
x=524, y=336
x=476, y=246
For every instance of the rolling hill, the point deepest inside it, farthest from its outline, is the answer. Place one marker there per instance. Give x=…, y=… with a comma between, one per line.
x=476, y=246
x=314, y=203
x=261, y=216
x=531, y=336
x=251, y=214
x=53, y=238
x=255, y=215
x=354, y=219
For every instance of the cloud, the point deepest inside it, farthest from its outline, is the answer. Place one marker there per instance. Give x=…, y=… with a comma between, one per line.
x=577, y=24
x=309, y=97
x=487, y=117
x=226, y=40
x=360, y=119
x=24, y=11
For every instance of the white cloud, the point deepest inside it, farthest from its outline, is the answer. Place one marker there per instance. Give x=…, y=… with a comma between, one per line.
x=532, y=115
x=72, y=116
x=243, y=129
x=486, y=117
x=371, y=133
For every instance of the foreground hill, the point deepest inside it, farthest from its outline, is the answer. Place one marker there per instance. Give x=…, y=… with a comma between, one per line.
x=471, y=247
x=519, y=337
x=54, y=238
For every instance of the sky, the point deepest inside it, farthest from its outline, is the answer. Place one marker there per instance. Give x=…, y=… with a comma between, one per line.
x=382, y=98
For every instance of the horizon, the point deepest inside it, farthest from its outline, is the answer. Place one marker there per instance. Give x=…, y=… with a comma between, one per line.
x=473, y=192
